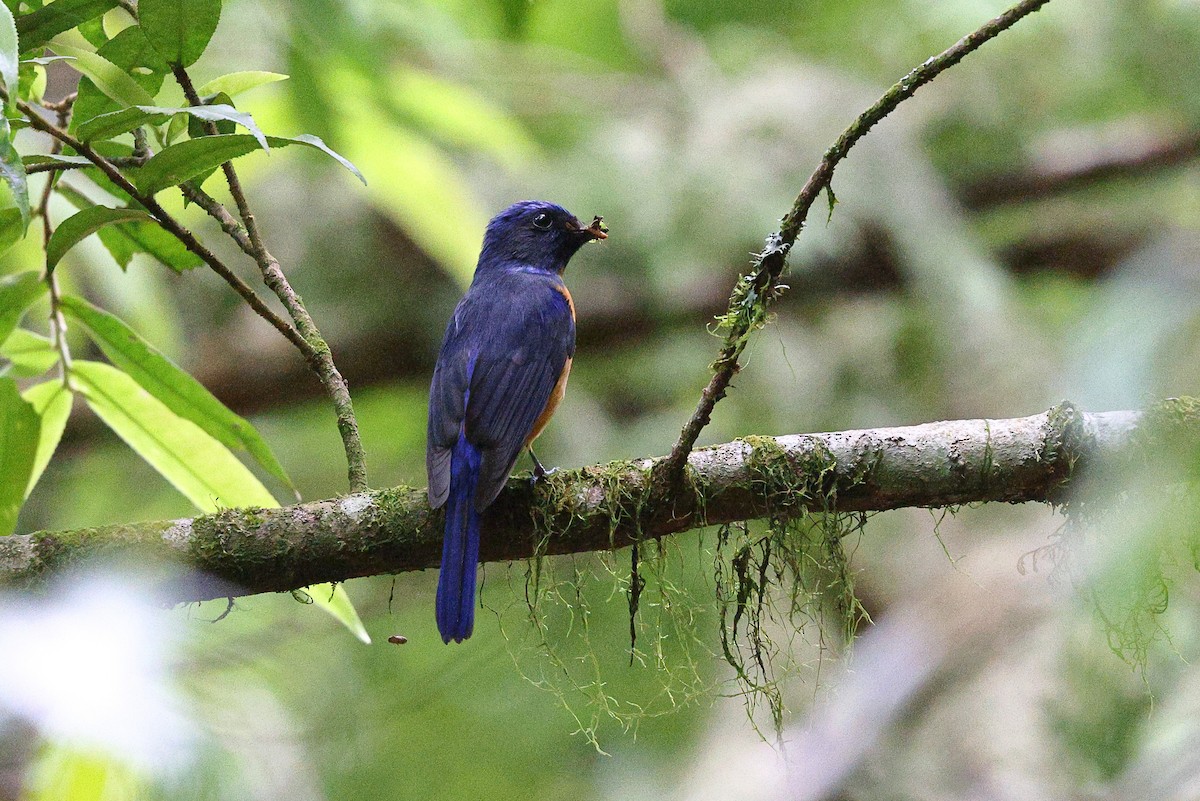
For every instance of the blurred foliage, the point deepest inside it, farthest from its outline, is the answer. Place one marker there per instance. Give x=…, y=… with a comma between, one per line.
x=690, y=126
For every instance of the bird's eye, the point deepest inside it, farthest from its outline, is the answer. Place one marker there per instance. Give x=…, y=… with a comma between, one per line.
x=542, y=221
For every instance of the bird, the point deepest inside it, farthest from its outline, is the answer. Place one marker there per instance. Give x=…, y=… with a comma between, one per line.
x=501, y=372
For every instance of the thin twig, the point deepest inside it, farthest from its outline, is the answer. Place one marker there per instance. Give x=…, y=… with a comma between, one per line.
x=58, y=322
x=763, y=280
x=170, y=224
x=250, y=240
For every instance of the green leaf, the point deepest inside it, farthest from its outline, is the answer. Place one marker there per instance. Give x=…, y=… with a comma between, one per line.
x=197, y=465
x=93, y=31
x=179, y=29
x=332, y=598
x=16, y=186
x=17, y=293
x=178, y=391
x=130, y=51
x=37, y=29
x=106, y=126
x=235, y=83
x=57, y=158
x=30, y=354
x=110, y=79
x=44, y=60
x=125, y=239
x=181, y=162
x=52, y=402
x=8, y=53
x=18, y=447
x=82, y=225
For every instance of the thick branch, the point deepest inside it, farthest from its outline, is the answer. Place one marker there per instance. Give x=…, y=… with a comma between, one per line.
x=243, y=551
x=756, y=290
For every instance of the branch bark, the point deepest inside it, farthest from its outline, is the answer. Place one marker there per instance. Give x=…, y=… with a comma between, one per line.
x=602, y=507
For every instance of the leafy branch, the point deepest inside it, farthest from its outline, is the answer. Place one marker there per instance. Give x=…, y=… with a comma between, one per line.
x=756, y=289
x=181, y=429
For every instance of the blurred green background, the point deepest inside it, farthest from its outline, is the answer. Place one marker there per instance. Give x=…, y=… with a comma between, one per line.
x=690, y=125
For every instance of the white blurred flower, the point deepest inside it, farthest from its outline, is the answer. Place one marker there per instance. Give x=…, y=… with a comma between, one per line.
x=88, y=668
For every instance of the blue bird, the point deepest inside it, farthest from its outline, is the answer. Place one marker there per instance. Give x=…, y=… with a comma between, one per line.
x=501, y=373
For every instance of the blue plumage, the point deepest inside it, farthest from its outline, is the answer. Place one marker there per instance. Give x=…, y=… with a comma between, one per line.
x=501, y=371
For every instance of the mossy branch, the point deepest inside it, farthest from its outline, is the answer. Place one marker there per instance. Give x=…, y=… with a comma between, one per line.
x=754, y=291
x=244, y=551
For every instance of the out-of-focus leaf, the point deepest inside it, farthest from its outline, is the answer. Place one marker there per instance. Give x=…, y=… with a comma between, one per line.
x=110, y=79
x=8, y=53
x=178, y=390
x=184, y=161
x=332, y=598
x=52, y=402
x=424, y=191
x=17, y=294
x=235, y=83
x=180, y=29
x=459, y=116
x=115, y=123
x=37, y=29
x=197, y=465
x=18, y=448
x=30, y=354
x=79, y=226
x=16, y=187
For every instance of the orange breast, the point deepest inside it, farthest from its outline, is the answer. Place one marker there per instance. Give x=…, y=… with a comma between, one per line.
x=562, y=290
x=556, y=397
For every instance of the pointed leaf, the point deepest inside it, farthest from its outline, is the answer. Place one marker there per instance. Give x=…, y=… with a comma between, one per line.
x=332, y=598
x=18, y=447
x=8, y=52
x=106, y=126
x=196, y=464
x=78, y=227
x=29, y=354
x=235, y=83
x=37, y=29
x=179, y=29
x=52, y=402
x=110, y=79
x=125, y=239
x=184, y=161
x=166, y=381
x=17, y=293
x=56, y=158
x=12, y=172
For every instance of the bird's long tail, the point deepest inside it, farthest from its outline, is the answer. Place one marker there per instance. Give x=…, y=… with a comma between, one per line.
x=460, y=546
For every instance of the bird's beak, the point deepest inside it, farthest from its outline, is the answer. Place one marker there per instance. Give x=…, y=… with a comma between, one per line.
x=597, y=230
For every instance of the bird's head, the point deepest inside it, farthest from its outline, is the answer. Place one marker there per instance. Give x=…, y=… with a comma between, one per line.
x=538, y=235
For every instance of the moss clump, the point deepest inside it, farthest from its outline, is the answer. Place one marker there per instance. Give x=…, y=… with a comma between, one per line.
x=773, y=580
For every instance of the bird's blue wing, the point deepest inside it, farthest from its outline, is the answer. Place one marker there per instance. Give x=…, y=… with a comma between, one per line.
x=513, y=377
x=502, y=356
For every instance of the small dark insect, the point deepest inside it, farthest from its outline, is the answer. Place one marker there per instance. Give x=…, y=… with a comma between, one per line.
x=397, y=639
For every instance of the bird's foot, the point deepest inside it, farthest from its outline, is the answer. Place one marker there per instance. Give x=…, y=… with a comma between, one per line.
x=539, y=472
